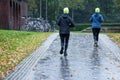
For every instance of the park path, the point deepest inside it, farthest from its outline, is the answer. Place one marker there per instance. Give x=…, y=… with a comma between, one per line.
x=84, y=61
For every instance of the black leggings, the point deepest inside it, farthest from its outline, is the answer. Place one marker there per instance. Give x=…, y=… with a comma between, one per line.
x=64, y=40
x=96, y=33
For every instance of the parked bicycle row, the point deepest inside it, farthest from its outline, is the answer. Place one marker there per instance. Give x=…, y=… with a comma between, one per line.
x=35, y=24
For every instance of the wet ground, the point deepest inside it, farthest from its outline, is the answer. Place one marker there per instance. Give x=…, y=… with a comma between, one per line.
x=84, y=61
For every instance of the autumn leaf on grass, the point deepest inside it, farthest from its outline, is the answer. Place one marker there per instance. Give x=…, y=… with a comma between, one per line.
x=113, y=78
x=1, y=74
x=1, y=50
x=20, y=49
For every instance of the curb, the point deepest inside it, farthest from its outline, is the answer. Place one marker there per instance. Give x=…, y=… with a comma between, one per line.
x=22, y=69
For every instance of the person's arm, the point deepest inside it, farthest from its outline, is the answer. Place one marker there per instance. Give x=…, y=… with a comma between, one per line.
x=102, y=19
x=72, y=22
x=91, y=19
x=58, y=21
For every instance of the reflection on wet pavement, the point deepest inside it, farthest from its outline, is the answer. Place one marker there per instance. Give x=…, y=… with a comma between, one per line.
x=95, y=64
x=64, y=68
x=84, y=62
x=95, y=57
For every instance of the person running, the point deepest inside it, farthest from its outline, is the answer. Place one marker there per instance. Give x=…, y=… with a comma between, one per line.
x=96, y=20
x=64, y=22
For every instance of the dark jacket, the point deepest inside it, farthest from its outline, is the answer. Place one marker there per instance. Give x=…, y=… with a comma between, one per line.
x=64, y=21
x=96, y=20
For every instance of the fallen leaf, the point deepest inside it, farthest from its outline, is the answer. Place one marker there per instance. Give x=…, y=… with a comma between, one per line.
x=113, y=78
x=119, y=66
x=107, y=69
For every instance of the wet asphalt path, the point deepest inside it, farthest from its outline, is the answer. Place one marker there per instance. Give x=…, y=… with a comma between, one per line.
x=84, y=61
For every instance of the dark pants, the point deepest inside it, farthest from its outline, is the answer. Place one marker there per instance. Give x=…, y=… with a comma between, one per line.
x=64, y=40
x=96, y=33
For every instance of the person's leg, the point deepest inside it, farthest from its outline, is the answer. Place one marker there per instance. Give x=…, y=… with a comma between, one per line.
x=94, y=33
x=62, y=43
x=97, y=34
x=94, y=30
x=66, y=43
x=97, y=37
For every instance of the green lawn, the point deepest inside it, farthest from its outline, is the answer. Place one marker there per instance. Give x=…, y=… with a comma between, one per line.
x=16, y=45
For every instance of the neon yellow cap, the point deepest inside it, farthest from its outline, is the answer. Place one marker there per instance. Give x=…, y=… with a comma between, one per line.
x=66, y=10
x=97, y=10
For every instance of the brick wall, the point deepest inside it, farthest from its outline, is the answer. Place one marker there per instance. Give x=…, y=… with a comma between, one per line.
x=11, y=12
x=3, y=14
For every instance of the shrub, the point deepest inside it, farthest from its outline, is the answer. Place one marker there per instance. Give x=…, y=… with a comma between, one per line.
x=79, y=27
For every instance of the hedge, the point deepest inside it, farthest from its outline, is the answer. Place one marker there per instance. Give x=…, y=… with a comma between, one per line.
x=79, y=27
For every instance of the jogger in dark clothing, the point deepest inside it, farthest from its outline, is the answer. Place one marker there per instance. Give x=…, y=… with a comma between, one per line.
x=64, y=22
x=96, y=20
